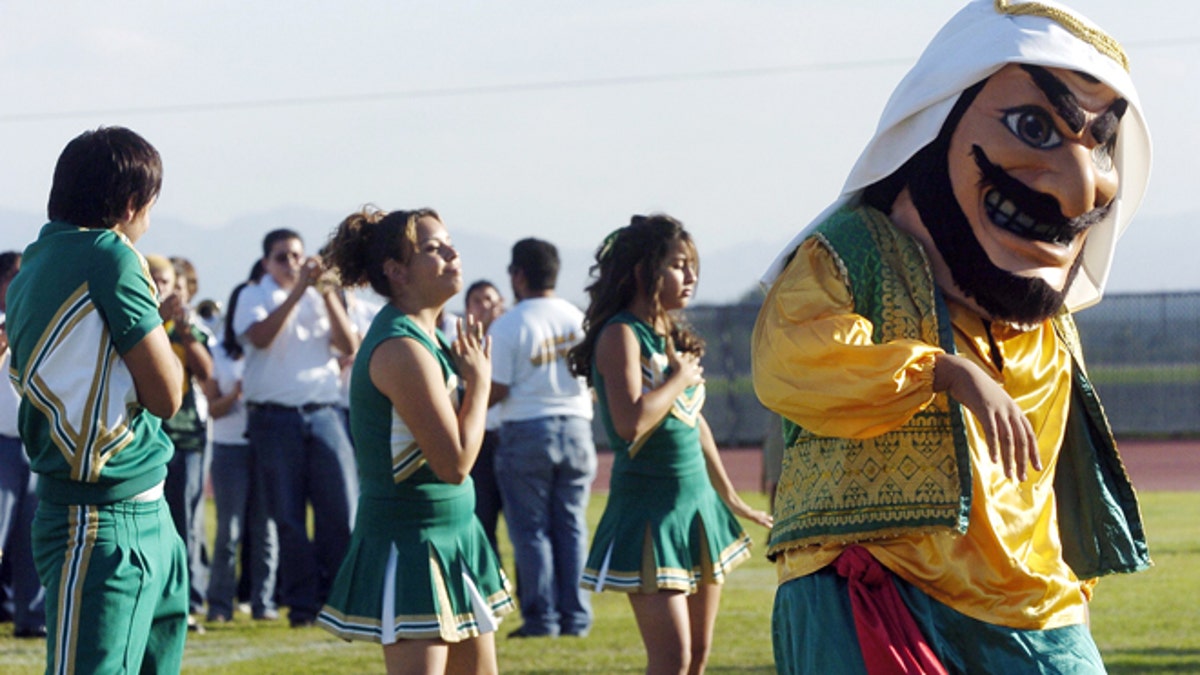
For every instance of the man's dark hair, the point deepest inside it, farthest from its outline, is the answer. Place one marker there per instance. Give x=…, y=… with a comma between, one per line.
x=538, y=261
x=476, y=285
x=282, y=234
x=10, y=261
x=100, y=175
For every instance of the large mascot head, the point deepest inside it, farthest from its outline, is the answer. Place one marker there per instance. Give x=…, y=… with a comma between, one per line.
x=1018, y=141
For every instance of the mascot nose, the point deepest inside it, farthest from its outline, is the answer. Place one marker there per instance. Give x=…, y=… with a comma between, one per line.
x=1082, y=180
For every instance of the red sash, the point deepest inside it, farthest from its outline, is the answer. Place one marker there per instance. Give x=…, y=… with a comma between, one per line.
x=888, y=636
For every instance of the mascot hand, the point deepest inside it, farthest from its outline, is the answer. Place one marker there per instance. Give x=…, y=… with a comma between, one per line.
x=1009, y=434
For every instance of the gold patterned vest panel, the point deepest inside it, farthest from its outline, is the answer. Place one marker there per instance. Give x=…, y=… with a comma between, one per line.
x=913, y=479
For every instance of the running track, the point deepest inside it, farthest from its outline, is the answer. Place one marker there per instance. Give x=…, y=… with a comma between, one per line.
x=1168, y=465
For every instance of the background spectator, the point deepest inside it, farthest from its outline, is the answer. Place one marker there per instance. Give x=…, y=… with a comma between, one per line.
x=294, y=331
x=546, y=459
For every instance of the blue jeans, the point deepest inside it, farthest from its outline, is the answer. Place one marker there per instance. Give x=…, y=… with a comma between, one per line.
x=241, y=522
x=18, y=501
x=184, y=491
x=301, y=458
x=545, y=468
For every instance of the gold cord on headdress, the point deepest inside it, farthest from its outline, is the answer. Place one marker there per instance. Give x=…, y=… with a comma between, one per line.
x=1103, y=42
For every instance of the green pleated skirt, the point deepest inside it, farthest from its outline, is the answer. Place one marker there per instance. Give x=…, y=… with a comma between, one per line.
x=662, y=533
x=417, y=570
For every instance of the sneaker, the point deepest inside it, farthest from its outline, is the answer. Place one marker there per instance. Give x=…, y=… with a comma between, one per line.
x=194, y=626
x=267, y=615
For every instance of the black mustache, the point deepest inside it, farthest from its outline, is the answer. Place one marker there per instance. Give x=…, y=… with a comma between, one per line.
x=1038, y=205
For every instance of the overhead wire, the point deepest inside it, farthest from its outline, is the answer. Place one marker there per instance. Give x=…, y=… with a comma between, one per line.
x=495, y=89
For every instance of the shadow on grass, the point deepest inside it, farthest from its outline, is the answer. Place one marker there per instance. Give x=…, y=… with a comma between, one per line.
x=1154, y=660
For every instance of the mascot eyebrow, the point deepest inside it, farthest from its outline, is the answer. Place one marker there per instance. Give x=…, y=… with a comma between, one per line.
x=1104, y=128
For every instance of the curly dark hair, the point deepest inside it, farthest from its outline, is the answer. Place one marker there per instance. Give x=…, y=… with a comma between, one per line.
x=365, y=239
x=631, y=258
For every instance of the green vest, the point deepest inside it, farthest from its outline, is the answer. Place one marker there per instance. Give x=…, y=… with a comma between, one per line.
x=917, y=478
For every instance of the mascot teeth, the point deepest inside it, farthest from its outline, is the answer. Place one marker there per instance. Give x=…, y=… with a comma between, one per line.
x=1006, y=215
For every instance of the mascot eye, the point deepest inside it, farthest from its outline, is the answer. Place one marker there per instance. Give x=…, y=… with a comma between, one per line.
x=1033, y=126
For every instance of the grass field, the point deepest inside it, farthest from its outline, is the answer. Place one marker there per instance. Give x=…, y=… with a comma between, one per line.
x=1145, y=623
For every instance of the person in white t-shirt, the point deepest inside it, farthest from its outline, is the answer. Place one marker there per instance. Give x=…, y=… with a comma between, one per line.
x=294, y=327
x=546, y=459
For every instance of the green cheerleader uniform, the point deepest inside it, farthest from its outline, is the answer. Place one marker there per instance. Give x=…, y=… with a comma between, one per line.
x=419, y=565
x=664, y=527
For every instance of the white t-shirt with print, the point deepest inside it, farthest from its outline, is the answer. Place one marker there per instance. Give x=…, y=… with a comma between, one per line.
x=529, y=355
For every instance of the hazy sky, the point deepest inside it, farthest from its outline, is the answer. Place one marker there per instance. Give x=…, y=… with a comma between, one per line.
x=555, y=118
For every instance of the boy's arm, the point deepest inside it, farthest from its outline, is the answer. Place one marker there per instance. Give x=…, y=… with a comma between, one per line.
x=157, y=373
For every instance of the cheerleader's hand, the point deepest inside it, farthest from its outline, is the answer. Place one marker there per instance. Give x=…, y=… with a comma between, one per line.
x=473, y=352
x=743, y=510
x=686, y=366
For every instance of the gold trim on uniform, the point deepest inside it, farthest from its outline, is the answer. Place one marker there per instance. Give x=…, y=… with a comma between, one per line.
x=84, y=524
x=88, y=448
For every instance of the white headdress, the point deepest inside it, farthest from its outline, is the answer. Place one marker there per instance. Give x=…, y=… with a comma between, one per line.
x=980, y=39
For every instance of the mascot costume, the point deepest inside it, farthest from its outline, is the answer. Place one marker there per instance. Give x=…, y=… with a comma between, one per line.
x=951, y=489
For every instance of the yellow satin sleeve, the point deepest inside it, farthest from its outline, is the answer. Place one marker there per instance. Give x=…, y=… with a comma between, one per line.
x=814, y=362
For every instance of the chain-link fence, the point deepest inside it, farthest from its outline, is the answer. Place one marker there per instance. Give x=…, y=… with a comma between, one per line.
x=1142, y=351
x=1143, y=355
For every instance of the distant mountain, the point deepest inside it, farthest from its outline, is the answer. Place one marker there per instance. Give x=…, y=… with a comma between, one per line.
x=224, y=255
x=1155, y=254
